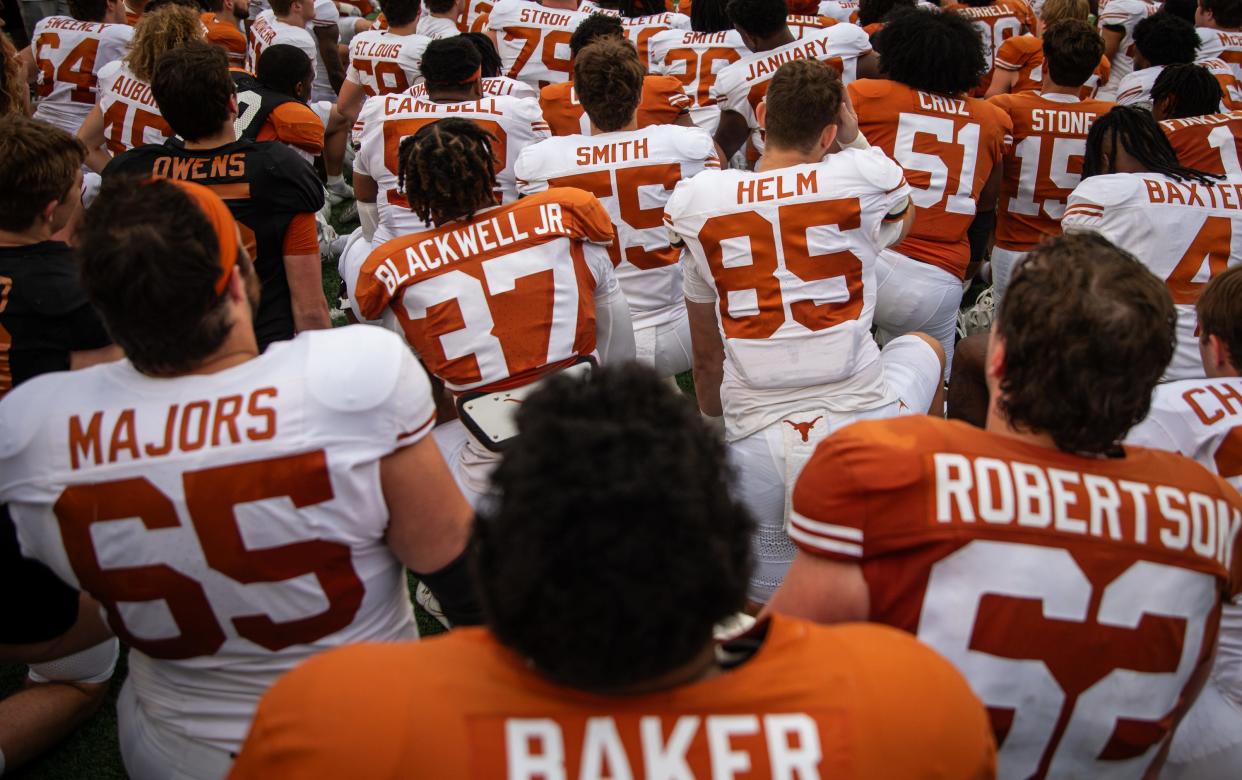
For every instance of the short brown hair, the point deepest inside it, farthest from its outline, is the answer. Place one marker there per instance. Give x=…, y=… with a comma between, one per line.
x=608, y=79
x=1220, y=312
x=38, y=164
x=165, y=315
x=1088, y=332
x=803, y=98
x=1061, y=10
x=1072, y=49
x=192, y=87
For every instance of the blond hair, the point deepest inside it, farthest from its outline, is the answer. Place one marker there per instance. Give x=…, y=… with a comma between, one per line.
x=1060, y=10
x=157, y=32
x=13, y=88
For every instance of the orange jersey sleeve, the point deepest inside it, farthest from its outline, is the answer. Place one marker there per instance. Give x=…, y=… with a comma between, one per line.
x=662, y=102
x=1208, y=143
x=948, y=147
x=846, y=702
x=294, y=124
x=301, y=236
x=227, y=37
x=561, y=109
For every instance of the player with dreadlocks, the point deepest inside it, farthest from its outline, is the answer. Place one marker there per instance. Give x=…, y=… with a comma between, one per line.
x=1179, y=221
x=493, y=298
x=1186, y=98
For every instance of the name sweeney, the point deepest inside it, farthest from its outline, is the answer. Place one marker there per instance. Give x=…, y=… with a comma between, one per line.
x=442, y=248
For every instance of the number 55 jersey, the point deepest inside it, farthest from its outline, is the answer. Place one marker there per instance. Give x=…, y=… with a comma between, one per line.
x=232, y=524
x=1081, y=597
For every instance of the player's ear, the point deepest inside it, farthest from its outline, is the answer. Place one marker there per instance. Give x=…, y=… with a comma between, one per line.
x=761, y=114
x=828, y=136
x=234, y=110
x=994, y=363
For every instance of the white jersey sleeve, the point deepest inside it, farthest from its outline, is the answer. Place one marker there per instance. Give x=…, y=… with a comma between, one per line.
x=231, y=524
x=1135, y=88
x=841, y=10
x=1201, y=419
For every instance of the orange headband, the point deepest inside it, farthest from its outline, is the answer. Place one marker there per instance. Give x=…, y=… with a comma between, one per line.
x=222, y=224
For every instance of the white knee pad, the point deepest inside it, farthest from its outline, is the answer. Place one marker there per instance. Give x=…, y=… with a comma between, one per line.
x=92, y=665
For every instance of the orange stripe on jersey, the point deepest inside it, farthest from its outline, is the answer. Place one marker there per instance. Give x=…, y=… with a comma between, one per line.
x=418, y=430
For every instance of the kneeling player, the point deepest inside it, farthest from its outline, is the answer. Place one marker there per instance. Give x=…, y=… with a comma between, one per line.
x=633, y=173
x=787, y=255
x=493, y=298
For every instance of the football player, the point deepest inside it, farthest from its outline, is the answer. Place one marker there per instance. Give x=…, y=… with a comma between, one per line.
x=66, y=54
x=740, y=87
x=452, y=68
x=695, y=58
x=272, y=106
x=1178, y=221
x=126, y=115
x=1076, y=582
x=273, y=193
x=492, y=298
x=381, y=62
x=950, y=146
x=1018, y=64
x=640, y=20
x=440, y=19
x=46, y=325
x=533, y=38
x=1186, y=101
x=235, y=513
x=662, y=102
x=220, y=18
x=632, y=171
x=780, y=289
x=492, y=82
x=1202, y=419
x=1219, y=25
x=996, y=21
x=1161, y=40
x=610, y=669
x=1044, y=164
x=1117, y=20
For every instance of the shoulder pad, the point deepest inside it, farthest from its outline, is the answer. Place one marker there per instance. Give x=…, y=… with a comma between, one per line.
x=354, y=368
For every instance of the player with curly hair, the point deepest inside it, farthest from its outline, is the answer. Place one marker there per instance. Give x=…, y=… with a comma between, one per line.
x=126, y=114
x=529, y=284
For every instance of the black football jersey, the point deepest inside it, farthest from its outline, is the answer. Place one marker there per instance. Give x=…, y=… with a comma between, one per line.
x=265, y=185
x=44, y=314
x=255, y=103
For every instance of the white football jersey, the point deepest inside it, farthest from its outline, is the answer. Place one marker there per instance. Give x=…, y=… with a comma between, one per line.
x=1135, y=88
x=435, y=27
x=383, y=63
x=1185, y=233
x=232, y=524
x=131, y=117
x=841, y=10
x=1221, y=45
x=267, y=30
x=533, y=41
x=789, y=258
x=695, y=59
x=493, y=86
x=633, y=173
x=515, y=122
x=69, y=55
x=641, y=29
x=1126, y=14
x=1202, y=419
x=742, y=86
x=476, y=15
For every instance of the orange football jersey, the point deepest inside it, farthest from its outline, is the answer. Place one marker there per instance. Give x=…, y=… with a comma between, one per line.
x=1080, y=596
x=499, y=300
x=948, y=147
x=845, y=702
x=661, y=103
x=997, y=22
x=1043, y=166
x=227, y=37
x=1210, y=143
x=296, y=125
x=1025, y=55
